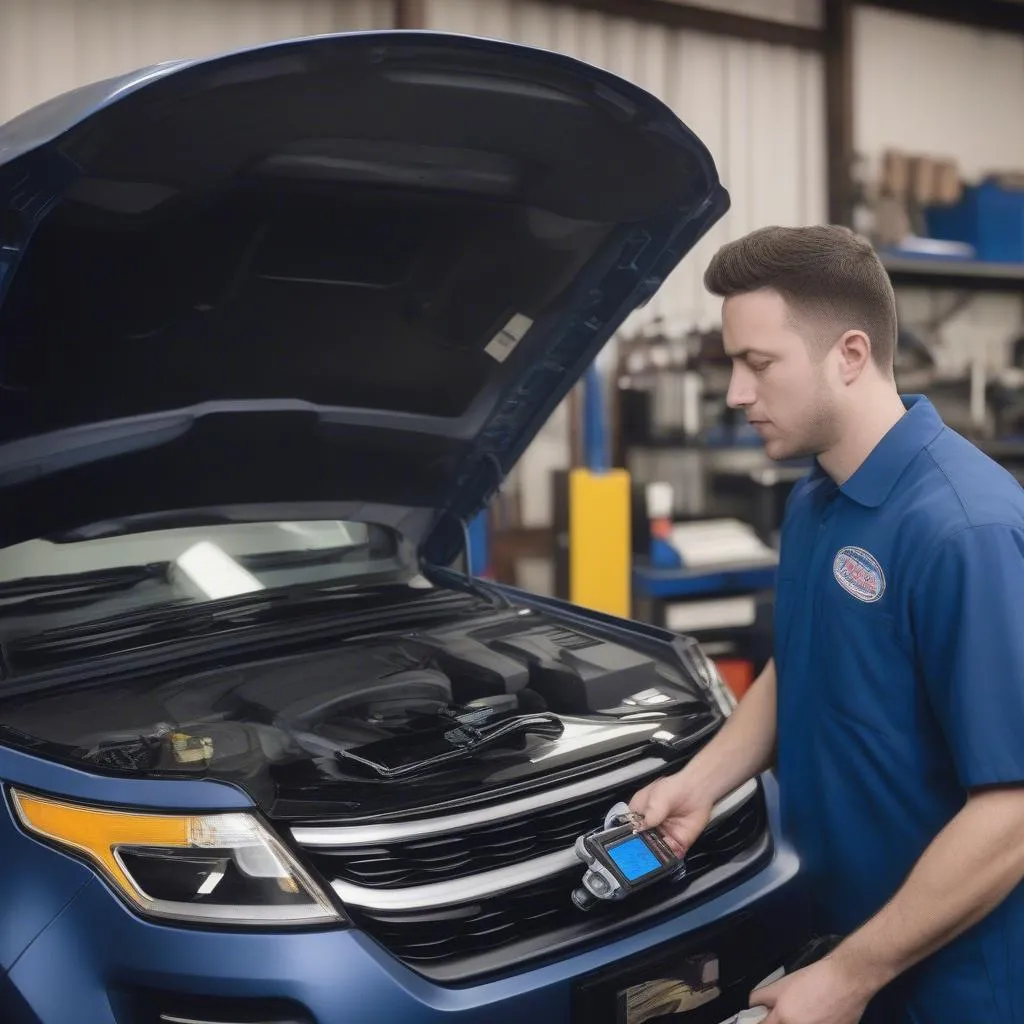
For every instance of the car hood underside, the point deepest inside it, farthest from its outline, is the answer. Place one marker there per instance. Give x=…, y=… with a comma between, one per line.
x=352, y=270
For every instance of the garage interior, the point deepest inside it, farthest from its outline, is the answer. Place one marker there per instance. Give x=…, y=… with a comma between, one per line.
x=644, y=496
x=893, y=117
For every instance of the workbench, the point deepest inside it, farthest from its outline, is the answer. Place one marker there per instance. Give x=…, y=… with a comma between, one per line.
x=669, y=584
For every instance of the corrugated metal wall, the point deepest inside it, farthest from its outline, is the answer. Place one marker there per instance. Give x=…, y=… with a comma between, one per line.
x=809, y=13
x=50, y=46
x=759, y=108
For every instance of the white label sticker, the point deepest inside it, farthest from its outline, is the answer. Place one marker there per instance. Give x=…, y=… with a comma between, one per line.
x=504, y=343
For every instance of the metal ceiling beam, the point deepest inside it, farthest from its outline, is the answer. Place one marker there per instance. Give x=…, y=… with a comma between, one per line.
x=996, y=15
x=410, y=14
x=839, y=109
x=704, y=19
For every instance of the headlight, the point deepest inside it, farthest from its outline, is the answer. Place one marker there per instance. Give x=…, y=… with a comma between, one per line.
x=692, y=655
x=215, y=868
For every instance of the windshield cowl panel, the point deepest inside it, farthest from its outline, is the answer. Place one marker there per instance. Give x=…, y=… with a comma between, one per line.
x=53, y=587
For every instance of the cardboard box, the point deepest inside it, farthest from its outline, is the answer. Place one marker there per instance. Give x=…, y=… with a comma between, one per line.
x=895, y=178
x=922, y=180
x=948, y=185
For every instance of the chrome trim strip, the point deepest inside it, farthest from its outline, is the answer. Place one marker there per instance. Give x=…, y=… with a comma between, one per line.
x=284, y=915
x=489, y=883
x=168, y=1018
x=389, y=832
x=458, y=890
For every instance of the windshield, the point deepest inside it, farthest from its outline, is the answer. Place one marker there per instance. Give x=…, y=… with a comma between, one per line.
x=46, y=584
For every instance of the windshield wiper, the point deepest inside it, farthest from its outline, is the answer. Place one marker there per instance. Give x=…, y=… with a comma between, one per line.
x=268, y=560
x=174, y=620
x=67, y=590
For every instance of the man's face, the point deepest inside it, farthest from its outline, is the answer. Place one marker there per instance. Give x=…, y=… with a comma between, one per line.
x=781, y=384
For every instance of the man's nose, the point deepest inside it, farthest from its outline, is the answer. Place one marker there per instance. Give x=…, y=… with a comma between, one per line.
x=741, y=390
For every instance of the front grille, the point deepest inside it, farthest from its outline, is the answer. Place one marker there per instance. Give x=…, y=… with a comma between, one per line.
x=470, y=851
x=475, y=936
x=430, y=938
x=426, y=937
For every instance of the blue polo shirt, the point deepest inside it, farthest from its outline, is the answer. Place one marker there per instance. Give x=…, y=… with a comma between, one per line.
x=899, y=647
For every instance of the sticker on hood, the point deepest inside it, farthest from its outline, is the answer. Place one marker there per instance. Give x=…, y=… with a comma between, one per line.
x=504, y=343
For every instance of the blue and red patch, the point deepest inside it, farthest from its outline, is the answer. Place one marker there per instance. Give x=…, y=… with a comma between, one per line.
x=857, y=571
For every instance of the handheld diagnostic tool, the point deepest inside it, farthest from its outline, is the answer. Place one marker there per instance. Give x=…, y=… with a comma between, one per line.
x=621, y=858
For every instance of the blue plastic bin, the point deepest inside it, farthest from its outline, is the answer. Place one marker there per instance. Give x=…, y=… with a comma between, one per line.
x=988, y=217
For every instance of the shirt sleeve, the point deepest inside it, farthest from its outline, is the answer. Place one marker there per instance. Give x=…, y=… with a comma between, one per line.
x=968, y=619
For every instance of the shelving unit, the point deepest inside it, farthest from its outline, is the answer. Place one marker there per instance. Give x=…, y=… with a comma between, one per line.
x=969, y=278
x=931, y=272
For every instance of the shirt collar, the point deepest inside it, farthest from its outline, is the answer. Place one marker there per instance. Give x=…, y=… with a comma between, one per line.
x=871, y=484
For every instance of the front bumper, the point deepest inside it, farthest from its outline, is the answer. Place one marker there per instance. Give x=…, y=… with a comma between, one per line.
x=97, y=963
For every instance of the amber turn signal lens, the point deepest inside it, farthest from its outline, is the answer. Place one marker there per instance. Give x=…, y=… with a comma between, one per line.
x=206, y=867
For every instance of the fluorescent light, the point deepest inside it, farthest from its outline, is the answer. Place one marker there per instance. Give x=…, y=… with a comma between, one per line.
x=215, y=573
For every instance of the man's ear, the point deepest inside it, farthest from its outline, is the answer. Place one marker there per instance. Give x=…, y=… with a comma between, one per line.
x=854, y=350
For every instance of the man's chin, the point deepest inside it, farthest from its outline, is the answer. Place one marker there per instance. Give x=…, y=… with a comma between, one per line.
x=779, y=451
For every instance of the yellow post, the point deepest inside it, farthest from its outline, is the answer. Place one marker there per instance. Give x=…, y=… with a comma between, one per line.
x=600, y=544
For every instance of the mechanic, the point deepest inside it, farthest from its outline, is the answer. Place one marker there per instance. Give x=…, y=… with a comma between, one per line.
x=893, y=709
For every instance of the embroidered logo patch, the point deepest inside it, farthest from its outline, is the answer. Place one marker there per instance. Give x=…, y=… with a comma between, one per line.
x=857, y=571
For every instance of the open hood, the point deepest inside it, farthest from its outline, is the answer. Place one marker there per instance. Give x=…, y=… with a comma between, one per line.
x=347, y=270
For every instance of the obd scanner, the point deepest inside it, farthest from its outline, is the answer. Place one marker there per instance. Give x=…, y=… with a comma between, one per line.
x=622, y=857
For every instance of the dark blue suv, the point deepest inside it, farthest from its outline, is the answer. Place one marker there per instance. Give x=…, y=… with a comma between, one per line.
x=274, y=327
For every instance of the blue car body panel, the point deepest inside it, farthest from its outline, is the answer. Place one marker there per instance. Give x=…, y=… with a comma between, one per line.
x=38, y=882
x=337, y=974
x=42, y=776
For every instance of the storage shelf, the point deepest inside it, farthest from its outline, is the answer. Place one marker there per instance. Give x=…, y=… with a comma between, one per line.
x=929, y=272
x=666, y=584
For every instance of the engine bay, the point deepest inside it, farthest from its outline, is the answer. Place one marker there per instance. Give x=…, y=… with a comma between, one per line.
x=383, y=721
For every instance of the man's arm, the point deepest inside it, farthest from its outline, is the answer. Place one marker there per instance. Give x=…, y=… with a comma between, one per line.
x=744, y=746
x=967, y=871
x=681, y=804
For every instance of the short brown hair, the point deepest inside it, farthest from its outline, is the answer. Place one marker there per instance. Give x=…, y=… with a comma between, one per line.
x=826, y=275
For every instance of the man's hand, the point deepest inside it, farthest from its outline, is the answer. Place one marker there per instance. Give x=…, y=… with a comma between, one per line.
x=673, y=805
x=681, y=804
x=819, y=994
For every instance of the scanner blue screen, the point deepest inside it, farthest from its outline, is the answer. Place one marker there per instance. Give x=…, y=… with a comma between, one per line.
x=634, y=858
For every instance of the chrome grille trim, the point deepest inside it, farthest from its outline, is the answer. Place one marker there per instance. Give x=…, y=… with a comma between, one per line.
x=459, y=890
x=398, y=831
x=490, y=883
x=168, y=1018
